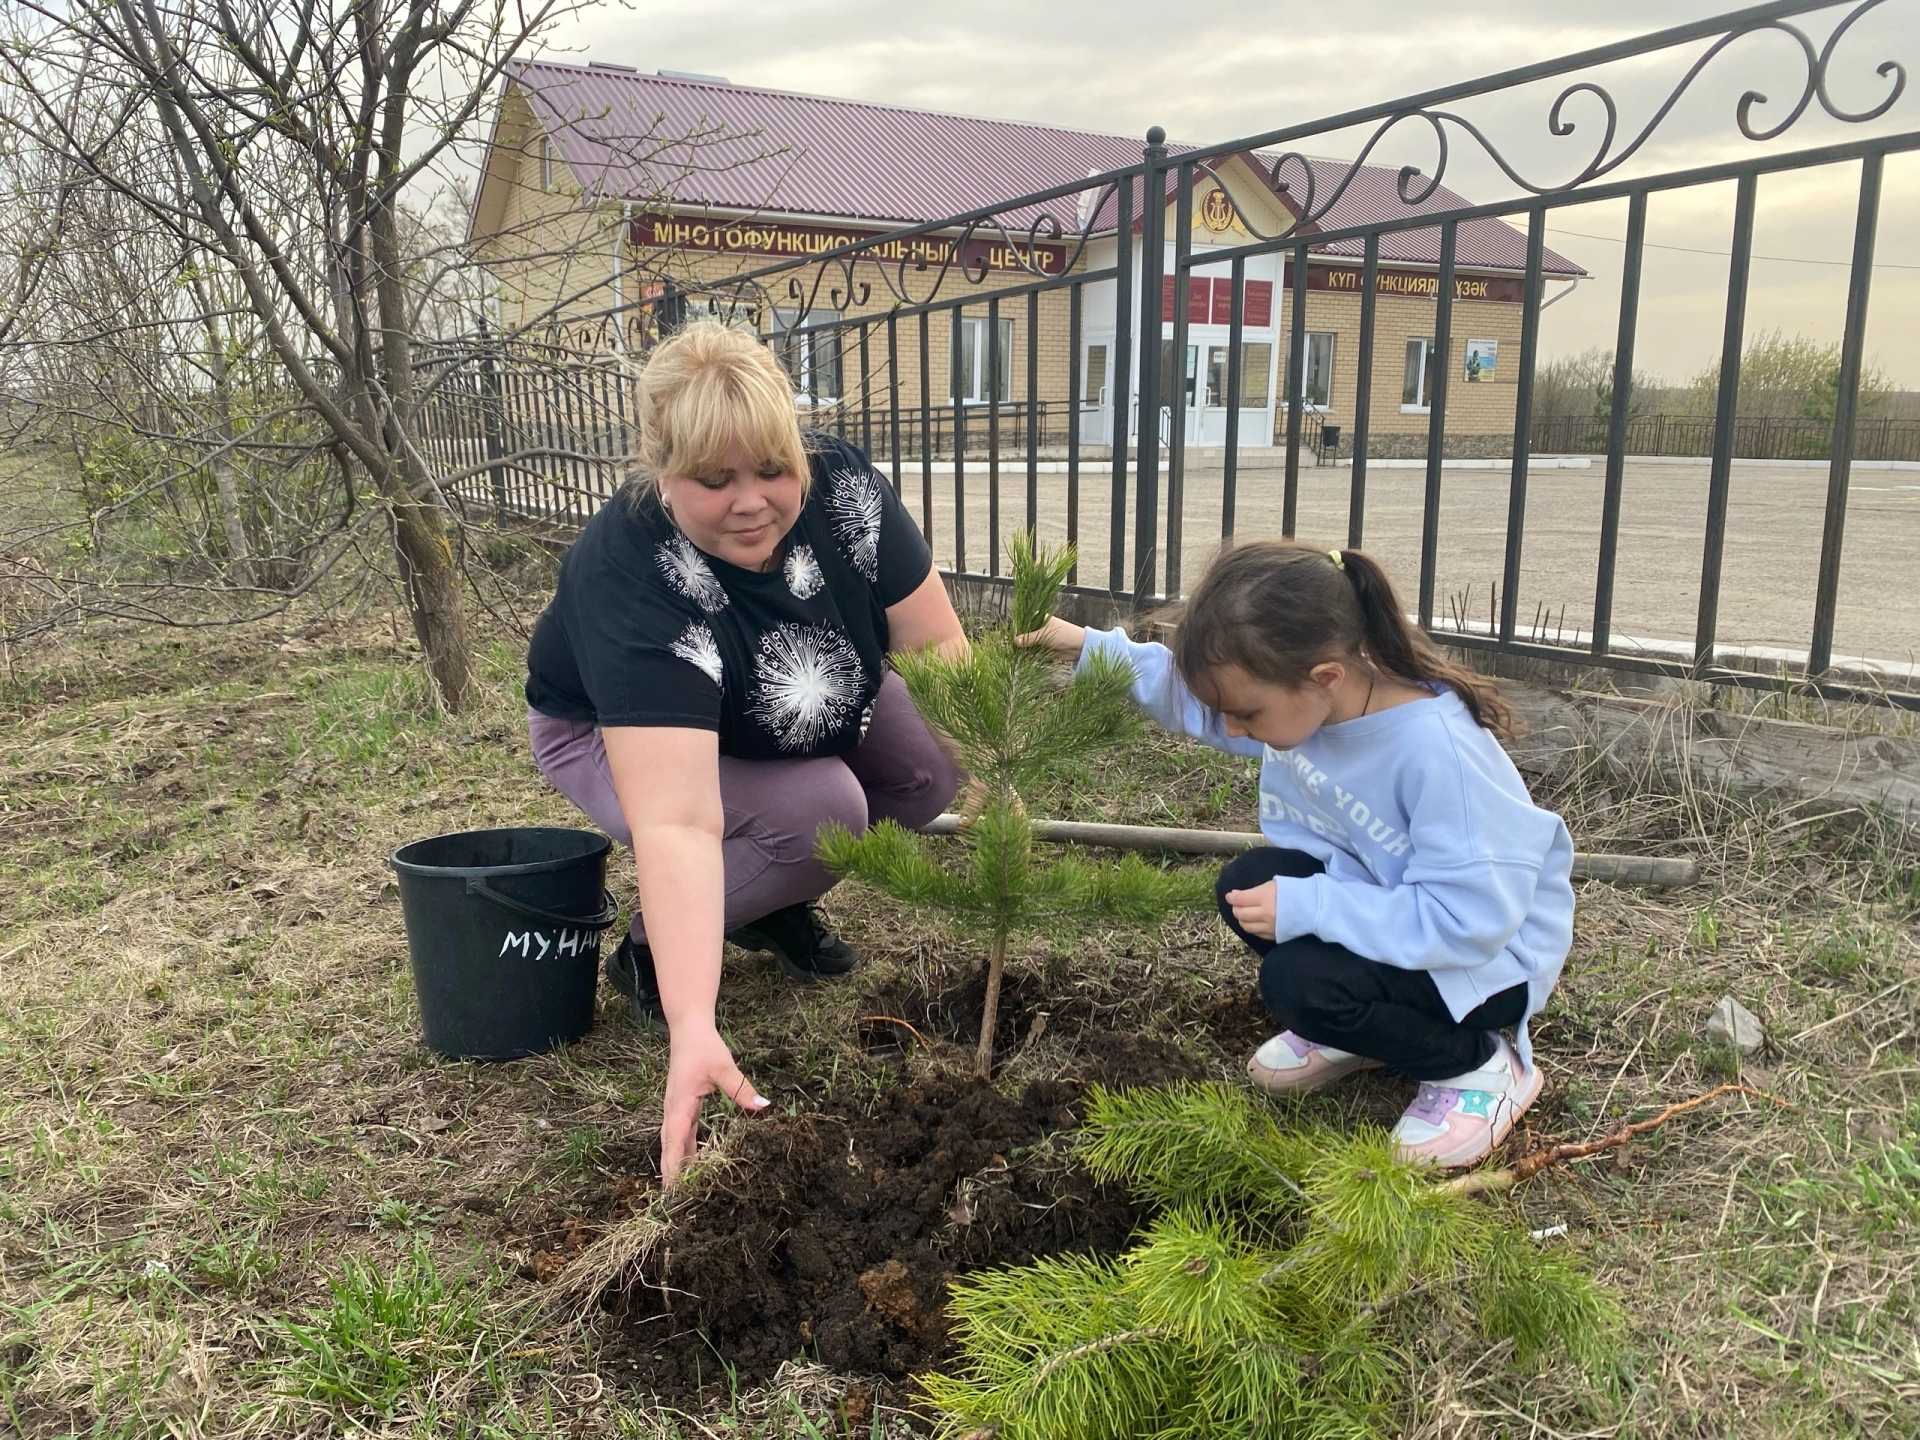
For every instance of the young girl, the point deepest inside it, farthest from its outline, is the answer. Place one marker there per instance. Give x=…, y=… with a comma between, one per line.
x=1414, y=902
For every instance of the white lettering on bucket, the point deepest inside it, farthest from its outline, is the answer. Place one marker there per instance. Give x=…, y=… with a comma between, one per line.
x=571, y=942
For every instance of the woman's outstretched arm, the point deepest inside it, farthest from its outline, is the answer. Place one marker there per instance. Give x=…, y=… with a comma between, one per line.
x=668, y=781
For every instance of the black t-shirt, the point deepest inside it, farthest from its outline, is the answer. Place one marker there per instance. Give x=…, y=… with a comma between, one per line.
x=644, y=629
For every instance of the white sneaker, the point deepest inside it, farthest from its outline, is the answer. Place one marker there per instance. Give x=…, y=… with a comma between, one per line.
x=1458, y=1121
x=1288, y=1063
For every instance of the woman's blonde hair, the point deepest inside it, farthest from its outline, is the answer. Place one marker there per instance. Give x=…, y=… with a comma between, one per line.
x=704, y=388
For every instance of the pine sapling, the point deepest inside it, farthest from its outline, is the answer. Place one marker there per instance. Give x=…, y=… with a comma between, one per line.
x=1290, y=1284
x=1015, y=719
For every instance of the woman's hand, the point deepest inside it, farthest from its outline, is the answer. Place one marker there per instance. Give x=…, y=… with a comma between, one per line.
x=668, y=783
x=1253, y=909
x=1062, y=637
x=698, y=1064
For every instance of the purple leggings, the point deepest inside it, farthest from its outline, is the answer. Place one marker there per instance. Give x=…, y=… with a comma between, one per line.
x=774, y=807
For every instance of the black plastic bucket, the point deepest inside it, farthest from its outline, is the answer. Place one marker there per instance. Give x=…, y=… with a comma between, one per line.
x=503, y=927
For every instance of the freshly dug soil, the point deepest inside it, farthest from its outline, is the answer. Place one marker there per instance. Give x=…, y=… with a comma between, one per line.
x=834, y=1234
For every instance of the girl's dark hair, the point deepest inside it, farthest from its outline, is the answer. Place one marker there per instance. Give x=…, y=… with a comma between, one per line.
x=1278, y=608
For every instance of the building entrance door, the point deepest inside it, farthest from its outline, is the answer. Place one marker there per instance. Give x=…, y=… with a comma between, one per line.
x=1256, y=395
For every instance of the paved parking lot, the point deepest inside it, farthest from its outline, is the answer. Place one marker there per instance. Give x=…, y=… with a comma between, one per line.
x=1774, y=523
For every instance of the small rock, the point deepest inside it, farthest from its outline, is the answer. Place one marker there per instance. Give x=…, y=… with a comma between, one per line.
x=1731, y=1023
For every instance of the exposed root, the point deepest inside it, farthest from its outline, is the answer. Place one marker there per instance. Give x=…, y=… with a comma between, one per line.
x=1489, y=1182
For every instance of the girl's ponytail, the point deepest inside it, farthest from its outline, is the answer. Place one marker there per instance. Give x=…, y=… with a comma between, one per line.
x=1278, y=608
x=1403, y=650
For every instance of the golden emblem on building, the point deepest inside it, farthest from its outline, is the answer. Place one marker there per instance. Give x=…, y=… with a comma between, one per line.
x=1216, y=211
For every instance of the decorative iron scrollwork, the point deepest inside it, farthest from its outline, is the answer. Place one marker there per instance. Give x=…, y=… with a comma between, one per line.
x=1415, y=185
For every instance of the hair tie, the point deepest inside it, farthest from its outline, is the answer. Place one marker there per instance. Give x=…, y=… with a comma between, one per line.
x=1334, y=555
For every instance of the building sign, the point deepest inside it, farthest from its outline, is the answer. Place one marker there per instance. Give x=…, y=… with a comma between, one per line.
x=1421, y=284
x=1483, y=357
x=1210, y=301
x=1216, y=211
x=767, y=237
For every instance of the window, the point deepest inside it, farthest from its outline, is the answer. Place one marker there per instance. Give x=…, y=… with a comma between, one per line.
x=975, y=369
x=546, y=163
x=1166, y=371
x=1316, y=384
x=1416, y=393
x=811, y=356
x=1256, y=367
x=1093, y=387
x=1256, y=360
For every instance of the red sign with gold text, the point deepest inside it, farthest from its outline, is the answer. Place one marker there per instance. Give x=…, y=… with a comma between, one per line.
x=1419, y=284
x=777, y=238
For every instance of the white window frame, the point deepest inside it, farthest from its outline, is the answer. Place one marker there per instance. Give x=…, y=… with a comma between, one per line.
x=1312, y=407
x=1093, y=389
x=1425, y=392
x=973, y=367
x=805, y=353
x=546, y=162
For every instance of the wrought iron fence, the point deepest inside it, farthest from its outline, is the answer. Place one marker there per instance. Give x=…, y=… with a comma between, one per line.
x=1124, y=456
x=1755, y=437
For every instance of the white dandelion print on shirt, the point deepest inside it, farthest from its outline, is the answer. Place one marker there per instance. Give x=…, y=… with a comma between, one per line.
x=698, y=648
x=855, y=503
x=803, y=573
x=686, y=571
x=807, y=684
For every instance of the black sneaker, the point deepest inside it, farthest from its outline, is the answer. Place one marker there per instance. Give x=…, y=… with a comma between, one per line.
x=806, y=949
x=630, y=971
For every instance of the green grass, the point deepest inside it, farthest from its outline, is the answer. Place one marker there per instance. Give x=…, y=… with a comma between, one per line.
x=382, y=1329
x=238, y=1198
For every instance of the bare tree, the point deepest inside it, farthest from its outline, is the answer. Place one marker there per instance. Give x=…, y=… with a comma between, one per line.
x=265, y=190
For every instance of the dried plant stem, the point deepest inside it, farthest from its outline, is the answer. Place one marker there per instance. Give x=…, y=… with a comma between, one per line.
x=1489, y=1182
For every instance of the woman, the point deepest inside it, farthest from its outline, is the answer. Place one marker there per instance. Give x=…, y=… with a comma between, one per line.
x=709, y=684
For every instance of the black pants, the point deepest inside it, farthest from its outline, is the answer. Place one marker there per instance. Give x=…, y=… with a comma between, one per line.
x=1325, y=993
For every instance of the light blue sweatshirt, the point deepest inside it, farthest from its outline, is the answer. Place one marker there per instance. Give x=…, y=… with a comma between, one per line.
x=1437, y=859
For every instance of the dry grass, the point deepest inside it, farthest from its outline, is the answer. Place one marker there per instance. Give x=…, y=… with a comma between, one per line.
x=238, y=1198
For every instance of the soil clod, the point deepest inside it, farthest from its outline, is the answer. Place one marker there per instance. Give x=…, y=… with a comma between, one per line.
x=834, y=1235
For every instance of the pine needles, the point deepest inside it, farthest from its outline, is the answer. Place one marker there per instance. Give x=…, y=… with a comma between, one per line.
x=1282, y=1290
x=1015, y=721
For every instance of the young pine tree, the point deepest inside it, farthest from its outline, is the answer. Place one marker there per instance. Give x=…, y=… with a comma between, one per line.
x=1291, y=1287
x=1015, y=718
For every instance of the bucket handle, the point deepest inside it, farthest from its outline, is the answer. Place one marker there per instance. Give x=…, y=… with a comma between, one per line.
x=604, y=920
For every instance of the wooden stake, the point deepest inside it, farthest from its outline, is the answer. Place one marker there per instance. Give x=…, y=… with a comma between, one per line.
x=1663, y=870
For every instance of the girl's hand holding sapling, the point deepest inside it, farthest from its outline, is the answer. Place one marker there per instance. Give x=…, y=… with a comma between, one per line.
x=1062, y=637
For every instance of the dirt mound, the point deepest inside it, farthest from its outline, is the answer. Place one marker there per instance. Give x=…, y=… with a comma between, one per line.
x=834, y=1234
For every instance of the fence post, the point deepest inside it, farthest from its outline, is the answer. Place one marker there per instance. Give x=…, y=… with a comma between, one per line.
x=1153, y=266
x=1846, y=412
x=490, y=407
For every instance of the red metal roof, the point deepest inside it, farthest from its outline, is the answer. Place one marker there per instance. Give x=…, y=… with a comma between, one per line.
x=699, y=144
x=1373, y=196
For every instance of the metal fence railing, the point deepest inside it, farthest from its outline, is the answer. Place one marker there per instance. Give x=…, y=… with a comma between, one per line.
x=1180, y=469
x=1755, y=437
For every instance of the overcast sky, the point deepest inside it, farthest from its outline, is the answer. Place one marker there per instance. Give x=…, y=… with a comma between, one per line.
x=1235, y=68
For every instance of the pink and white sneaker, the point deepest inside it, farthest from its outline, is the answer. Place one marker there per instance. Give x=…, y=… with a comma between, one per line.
x=1458, y=1121
x=1287, y=1063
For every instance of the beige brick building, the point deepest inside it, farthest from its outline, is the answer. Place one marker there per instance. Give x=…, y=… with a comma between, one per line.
x=613, y=203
